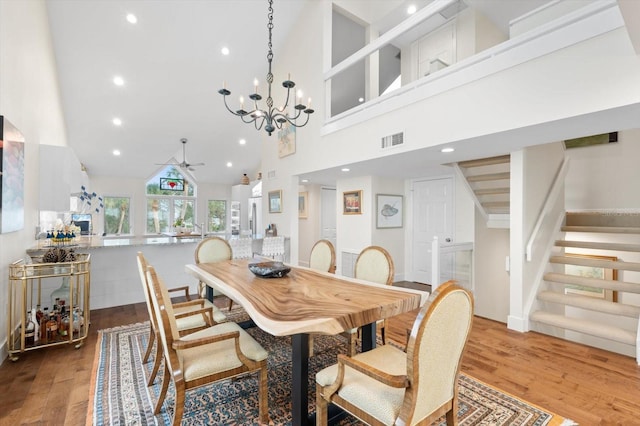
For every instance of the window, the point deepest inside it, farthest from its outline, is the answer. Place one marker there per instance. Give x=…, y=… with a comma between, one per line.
x=171, y=201
x=217, y=217
x=117, y=215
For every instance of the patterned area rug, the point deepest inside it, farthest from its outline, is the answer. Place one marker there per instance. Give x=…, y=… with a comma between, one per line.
x=119, y=395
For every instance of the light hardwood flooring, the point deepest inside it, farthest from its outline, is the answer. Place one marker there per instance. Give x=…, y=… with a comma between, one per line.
x=590, y=386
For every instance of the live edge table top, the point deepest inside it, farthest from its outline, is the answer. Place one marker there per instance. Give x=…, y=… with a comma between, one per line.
x=306, y=301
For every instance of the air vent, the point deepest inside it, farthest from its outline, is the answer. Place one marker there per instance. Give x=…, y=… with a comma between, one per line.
x=392, y=140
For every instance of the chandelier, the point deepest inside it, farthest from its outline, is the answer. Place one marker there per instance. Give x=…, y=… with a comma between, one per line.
x=271, y=118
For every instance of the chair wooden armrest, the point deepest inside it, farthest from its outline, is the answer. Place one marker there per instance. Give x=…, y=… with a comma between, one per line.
x=183, y=288
x=396, y=381
x=207, y=313
x=186, y=344
x=401, y=381
x=193, y=302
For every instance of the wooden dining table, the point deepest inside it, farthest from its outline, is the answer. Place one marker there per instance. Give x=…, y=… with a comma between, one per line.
x=306, y=301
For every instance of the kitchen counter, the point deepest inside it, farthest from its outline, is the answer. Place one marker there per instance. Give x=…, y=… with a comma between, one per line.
x=115, y=279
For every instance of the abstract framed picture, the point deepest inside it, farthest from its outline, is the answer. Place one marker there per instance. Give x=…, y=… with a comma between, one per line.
x=389, y=211
x=303, y=200
x=352, y=202
x=11, y=177
x=592, y=272
x=275, y=201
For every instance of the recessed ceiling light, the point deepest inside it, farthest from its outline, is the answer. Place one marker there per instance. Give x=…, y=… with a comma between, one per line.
x=305, y=180
x=116, y=152
x=229, y=164
x=117, y=122
x=360, y=100
x=225, y=51
x=242, y=142
x=131, y=18
x=346, y=169
x=447, y=150
x=118, y=81
x=411, y=9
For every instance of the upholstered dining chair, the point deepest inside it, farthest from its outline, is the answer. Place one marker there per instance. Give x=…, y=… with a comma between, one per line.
x=386, y=386
x=219, y=352
x=212, y=249
x=241, y=248
x=191, y=316
x=323, y=256
x=375, y=264
x=273, y=247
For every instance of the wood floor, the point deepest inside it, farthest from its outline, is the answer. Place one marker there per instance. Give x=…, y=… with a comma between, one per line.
x=590, y=386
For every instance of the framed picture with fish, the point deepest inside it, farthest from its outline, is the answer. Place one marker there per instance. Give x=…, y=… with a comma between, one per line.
x=389, y=211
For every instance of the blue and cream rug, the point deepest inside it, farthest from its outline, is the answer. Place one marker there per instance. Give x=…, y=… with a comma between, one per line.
x=119, y=395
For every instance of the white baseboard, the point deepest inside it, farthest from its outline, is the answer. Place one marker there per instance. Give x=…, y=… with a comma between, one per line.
x=517, y=324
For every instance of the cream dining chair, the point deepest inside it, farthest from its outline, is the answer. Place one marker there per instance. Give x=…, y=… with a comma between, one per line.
x=212, y=249
x=218, y=352
x=323, y=256
x=191, y=316
x=273, y=247
x=375, y=264
x=386, y=386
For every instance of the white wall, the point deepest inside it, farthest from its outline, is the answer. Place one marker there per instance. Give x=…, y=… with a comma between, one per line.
x=491, y=280
x=135, y=189
x=30, y=101
x=354, y=231
x=605, y=176
x=309, y=227
x=532, y=173
x=391, y=239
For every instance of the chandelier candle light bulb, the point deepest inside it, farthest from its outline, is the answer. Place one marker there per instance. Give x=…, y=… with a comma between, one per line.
x=271, y=117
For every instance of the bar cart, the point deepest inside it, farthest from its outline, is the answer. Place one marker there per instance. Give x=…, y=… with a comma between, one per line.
x=29, y=327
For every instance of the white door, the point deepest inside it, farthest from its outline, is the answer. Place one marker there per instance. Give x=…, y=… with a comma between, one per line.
x=432, y=216
x=328, y=215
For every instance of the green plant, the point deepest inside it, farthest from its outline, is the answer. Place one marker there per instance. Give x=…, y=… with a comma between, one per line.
x=179, y=222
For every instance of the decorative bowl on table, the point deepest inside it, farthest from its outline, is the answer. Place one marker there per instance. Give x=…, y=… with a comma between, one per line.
x=269, y=269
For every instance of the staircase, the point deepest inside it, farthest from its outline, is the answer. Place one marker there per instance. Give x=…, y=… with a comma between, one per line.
x=489, y=180
x=591, y=293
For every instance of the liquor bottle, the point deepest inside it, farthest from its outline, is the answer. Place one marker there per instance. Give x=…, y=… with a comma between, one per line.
x=30, y=330
x=43, y=324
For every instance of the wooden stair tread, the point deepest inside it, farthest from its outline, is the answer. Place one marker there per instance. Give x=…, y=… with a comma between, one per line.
x=592, y=282
x=596, y=263
x=492, y=191
x=489, y=176
x=591, y=328
x=496, y=204
x=599, y=245
x=590, y=303
x=603, y=229
x=486, y=161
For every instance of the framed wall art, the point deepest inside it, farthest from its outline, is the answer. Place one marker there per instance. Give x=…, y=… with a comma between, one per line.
x=275, y=201
x=11, y=177
x=389, y=211
x=592, y=272
x=286, y=140
x=352, y=202
x=303, y=200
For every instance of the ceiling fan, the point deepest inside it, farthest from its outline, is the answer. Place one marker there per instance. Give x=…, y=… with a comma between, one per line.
x=183, y=164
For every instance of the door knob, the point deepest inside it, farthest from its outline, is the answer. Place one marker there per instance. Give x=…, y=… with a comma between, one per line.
x=448, y=240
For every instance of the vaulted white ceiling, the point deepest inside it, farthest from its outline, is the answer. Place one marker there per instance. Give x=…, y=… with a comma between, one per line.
x=172, y=66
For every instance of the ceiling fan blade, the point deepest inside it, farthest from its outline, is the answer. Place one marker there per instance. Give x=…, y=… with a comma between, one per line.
x=196, y=164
